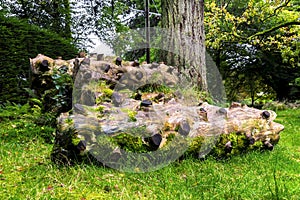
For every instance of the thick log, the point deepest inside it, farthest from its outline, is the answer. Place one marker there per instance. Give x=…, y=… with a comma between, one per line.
x=144, y=120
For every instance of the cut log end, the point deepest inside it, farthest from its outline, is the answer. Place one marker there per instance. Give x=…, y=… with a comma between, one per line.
x=265, y=115
x=156, y=139
x=118, y=61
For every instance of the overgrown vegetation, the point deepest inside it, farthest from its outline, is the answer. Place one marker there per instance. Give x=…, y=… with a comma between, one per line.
x=27, y=172
x=52, y=92
x=19, y=42
x=23, y=123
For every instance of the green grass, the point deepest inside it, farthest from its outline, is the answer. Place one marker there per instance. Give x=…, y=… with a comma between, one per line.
x=26, y=171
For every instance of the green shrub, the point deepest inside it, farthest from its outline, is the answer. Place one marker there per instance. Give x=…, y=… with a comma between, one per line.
x=19, y=42
x=275, y=105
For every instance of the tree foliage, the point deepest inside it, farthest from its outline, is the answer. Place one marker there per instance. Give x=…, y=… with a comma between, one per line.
x=54, y=15
x=258, y=41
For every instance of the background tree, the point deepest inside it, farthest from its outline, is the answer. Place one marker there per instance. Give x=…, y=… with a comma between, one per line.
x=260, y=37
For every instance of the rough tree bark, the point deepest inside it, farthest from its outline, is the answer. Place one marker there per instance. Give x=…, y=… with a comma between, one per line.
x=185, y=21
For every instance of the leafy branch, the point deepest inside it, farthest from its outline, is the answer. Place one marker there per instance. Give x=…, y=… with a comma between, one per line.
x=286, y=24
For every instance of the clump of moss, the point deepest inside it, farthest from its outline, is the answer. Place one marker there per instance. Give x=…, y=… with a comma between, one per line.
x=131, y=114
x=223, y=146
x=69, y=122
x=195, y=146
x=75, y=141
x=171, y=136
x=234, y=144
x=157, y=88
x=129, y=143
x=105, y=92
x=100, y=108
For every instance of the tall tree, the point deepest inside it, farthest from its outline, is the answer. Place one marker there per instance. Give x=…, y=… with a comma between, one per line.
x=184, y=20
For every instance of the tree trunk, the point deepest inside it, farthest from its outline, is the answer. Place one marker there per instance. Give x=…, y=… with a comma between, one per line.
x=184, y=20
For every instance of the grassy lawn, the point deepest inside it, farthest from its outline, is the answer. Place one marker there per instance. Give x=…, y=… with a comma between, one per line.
x=26, y=171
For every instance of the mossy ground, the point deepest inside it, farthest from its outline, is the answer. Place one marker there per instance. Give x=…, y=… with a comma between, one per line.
x=26, y=171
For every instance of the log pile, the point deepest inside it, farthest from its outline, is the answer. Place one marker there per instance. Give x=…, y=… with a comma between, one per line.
x=124, y=107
